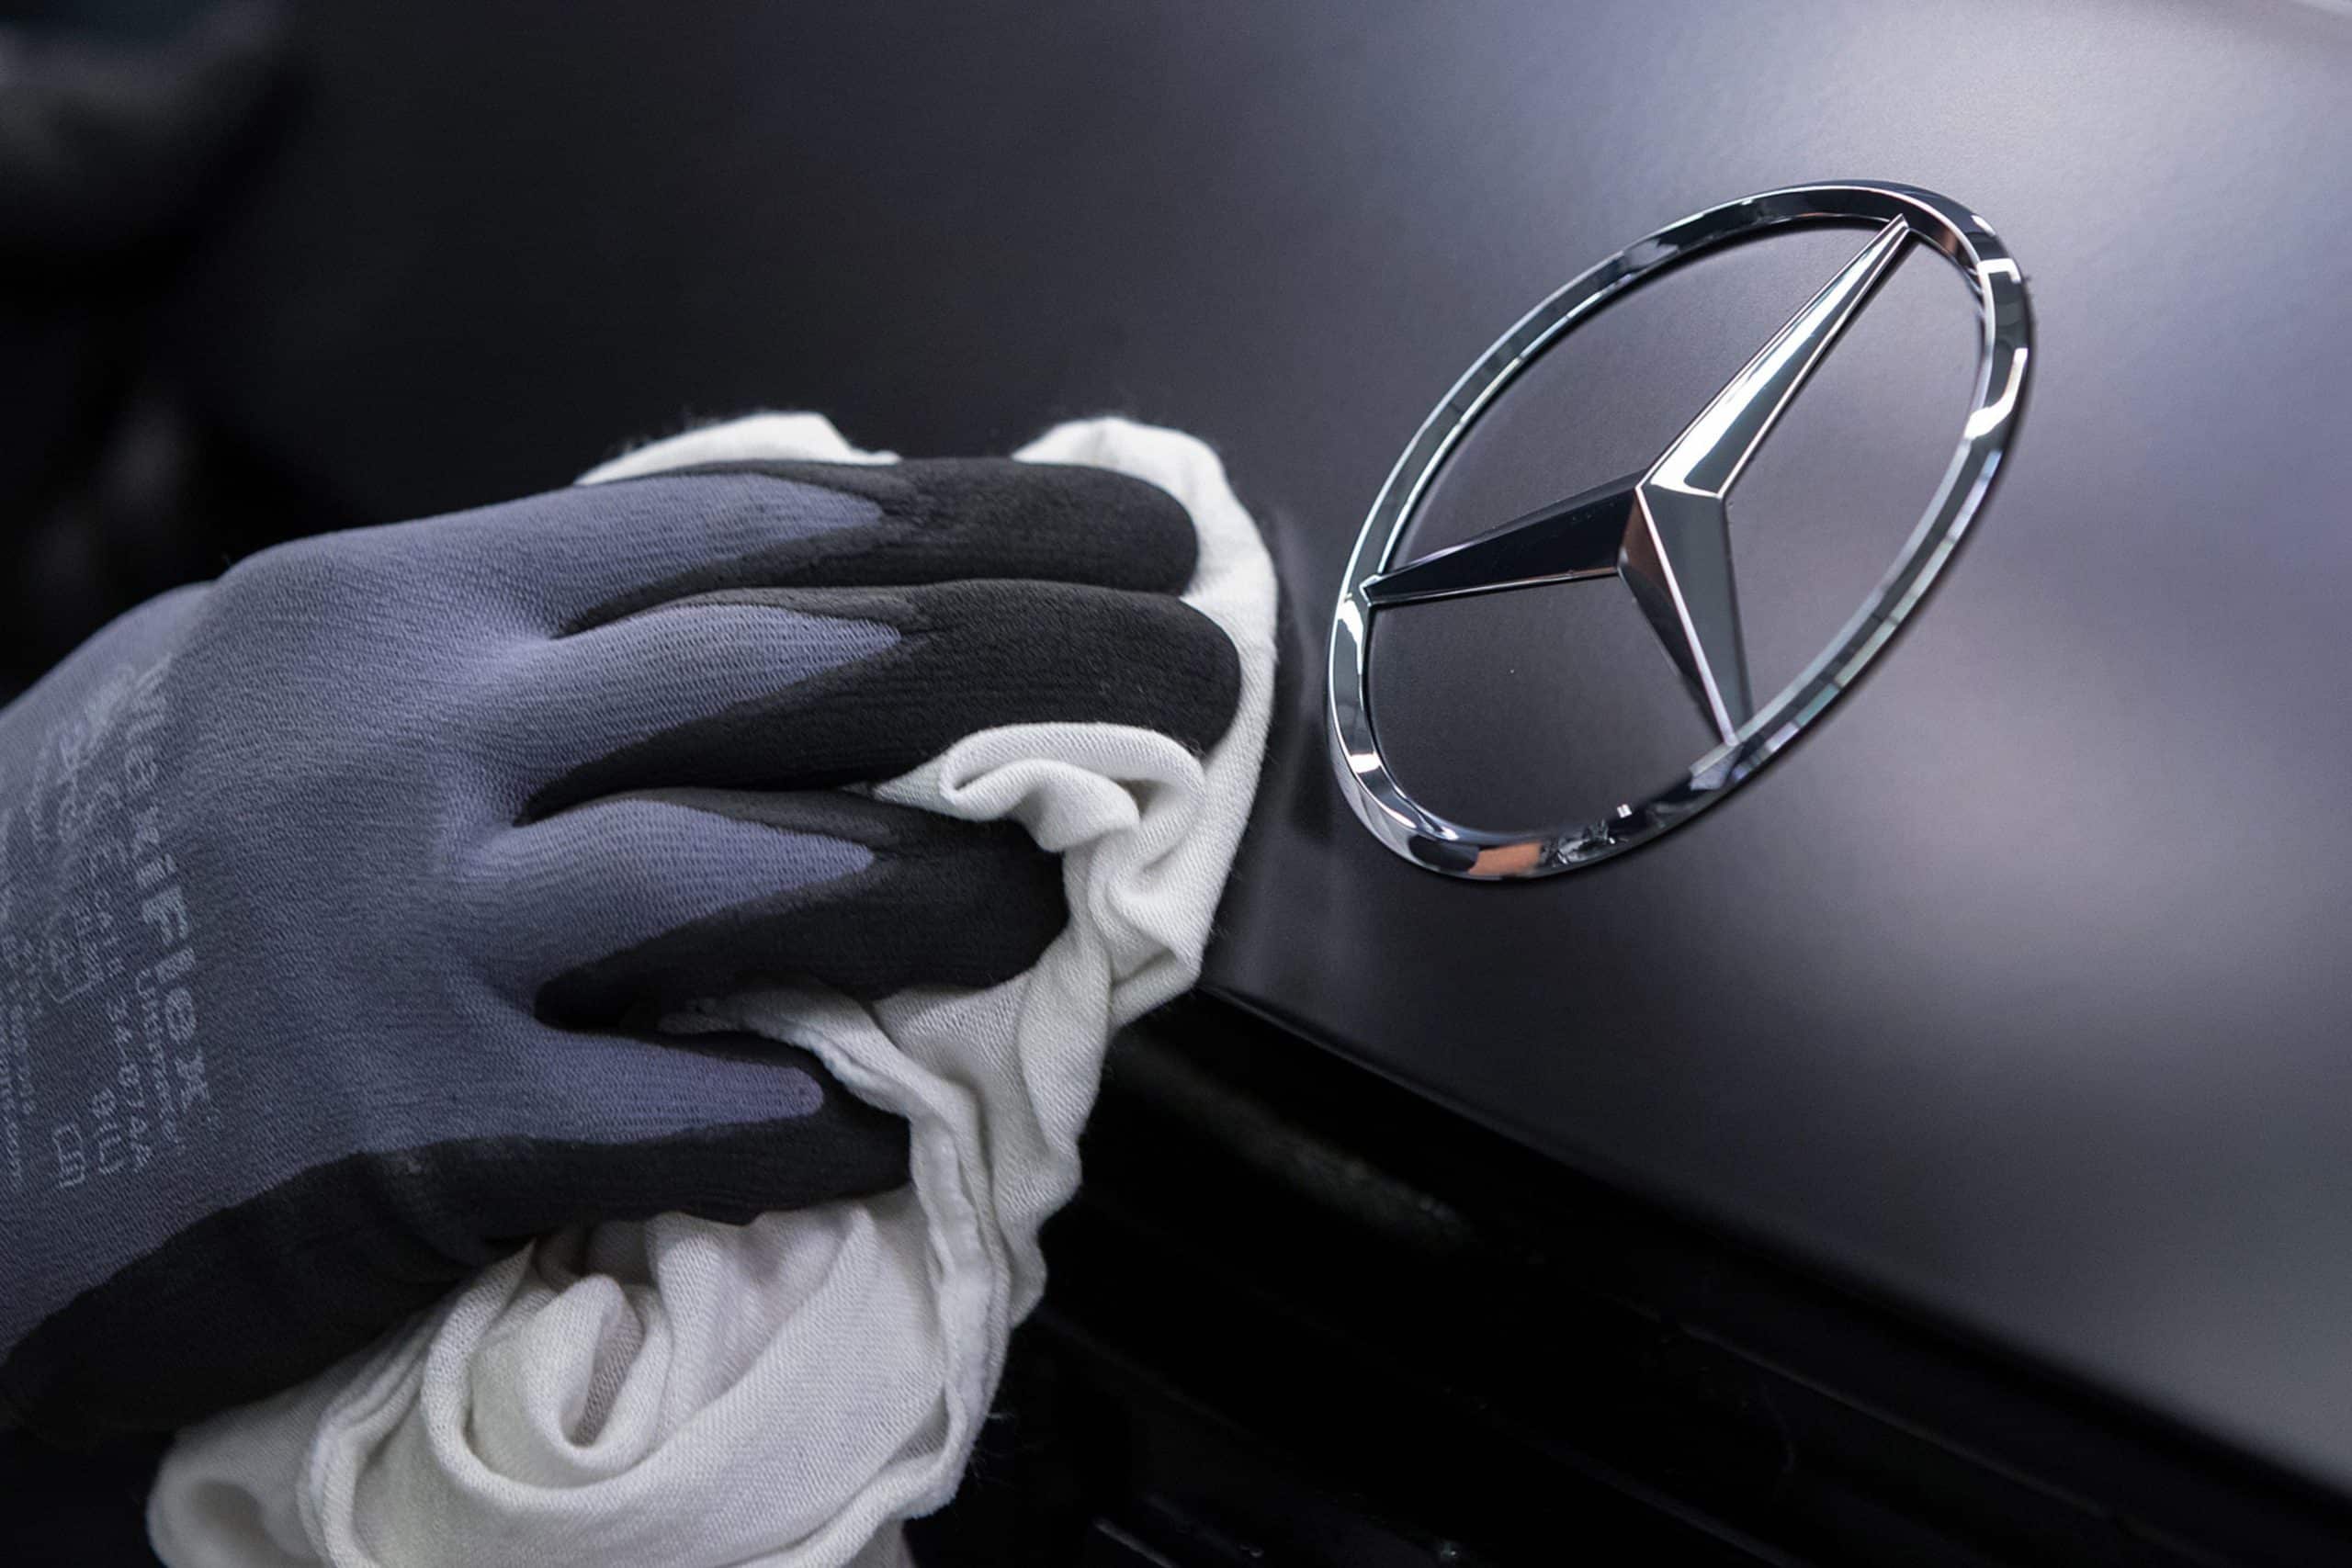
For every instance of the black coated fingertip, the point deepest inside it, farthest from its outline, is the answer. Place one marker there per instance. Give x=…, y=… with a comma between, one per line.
x=1109, y=529
x=942, y=902
x=976, y=656
x=971, y=656
x=1198, y=688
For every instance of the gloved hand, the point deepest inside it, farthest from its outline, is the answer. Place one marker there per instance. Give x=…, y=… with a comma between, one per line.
x=338, y=897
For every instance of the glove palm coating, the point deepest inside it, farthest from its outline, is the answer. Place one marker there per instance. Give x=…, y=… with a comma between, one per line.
x=338, y=897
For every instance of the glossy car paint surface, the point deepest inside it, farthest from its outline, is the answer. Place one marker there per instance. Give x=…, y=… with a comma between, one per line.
x=2018, y=992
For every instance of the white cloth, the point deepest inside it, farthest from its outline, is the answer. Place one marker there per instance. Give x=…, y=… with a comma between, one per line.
x=782, y=1394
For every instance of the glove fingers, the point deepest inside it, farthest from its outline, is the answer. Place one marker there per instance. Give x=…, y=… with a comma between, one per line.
x=628, y=907
x=558, y=705
x=605, y=1128
x=581, y=557
x=724, y=1126
x=967, y=656
x=933, y=520
x=555, y=555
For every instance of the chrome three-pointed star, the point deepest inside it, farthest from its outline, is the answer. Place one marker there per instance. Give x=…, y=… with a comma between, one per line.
x=1664, y=531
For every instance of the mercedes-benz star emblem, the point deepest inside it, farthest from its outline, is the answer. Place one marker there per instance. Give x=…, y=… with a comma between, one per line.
x=1665, y=532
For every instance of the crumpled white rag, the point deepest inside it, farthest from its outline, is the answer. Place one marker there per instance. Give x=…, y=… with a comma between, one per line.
x=684, y=1393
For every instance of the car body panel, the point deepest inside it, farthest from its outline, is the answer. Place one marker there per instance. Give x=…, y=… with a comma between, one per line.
x=2017, y=993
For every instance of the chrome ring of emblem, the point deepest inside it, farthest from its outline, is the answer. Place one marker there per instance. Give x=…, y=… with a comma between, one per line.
x=1428, y=839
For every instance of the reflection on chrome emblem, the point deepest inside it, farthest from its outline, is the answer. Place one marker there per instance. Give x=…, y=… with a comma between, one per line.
x=1664, y=531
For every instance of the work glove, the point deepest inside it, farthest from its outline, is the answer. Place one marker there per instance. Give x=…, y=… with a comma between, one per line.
x=340, y=898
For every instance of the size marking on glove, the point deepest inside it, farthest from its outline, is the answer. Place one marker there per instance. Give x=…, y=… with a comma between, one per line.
x=103, y=942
